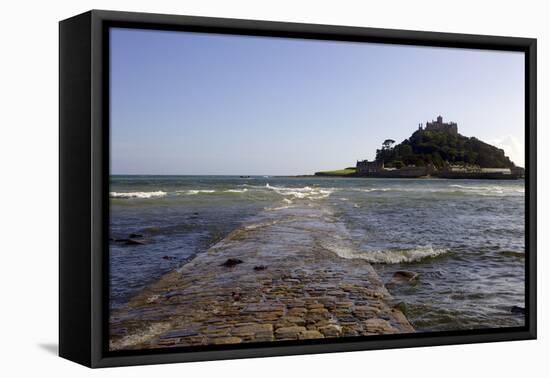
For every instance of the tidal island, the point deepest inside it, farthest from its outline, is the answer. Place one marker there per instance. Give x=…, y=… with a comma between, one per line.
x=436, y=149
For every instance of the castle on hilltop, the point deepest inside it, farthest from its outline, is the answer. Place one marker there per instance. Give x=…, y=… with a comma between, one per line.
x=439, y=125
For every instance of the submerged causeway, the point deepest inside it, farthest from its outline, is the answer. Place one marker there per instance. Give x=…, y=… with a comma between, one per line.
x=278, y=277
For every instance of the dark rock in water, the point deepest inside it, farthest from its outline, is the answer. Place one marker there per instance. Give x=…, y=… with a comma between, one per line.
x=260, y=267
x=168, y=257
x=134, y=242
x=131, y=241
x=134, y=235
x=231, y=262
x=404, y=276
x=517, y=310
x=236, y=296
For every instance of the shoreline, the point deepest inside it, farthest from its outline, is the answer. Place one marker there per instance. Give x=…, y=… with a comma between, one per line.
x=282, y=277
x=488, y=177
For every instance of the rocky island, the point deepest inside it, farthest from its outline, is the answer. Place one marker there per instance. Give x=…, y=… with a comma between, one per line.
x=435, y=150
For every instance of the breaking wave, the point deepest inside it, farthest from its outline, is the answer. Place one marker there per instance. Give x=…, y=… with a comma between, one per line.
x=317, y=193
x=479, y=189
x=195, y=191
x=390, y=256
x=127, y=195
x=305, y=192
x=236, y=190
x=492, y=190
x=396, y=256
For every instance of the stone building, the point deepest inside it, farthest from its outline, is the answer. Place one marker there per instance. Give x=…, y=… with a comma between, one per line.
x=366, y=166
x=376, y=169
x=439, y=125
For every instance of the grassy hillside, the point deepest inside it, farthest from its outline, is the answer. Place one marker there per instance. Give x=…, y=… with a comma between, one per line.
x=339, y=172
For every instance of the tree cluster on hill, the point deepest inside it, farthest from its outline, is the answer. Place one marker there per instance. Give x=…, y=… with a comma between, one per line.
x=441, y=148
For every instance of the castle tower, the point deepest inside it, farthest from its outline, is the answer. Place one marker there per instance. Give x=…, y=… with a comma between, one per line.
x=439, y=125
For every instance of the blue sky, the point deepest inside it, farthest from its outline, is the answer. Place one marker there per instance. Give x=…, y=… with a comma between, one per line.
x=192, y=103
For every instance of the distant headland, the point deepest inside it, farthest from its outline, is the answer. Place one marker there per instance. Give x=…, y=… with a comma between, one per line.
x=436, y=149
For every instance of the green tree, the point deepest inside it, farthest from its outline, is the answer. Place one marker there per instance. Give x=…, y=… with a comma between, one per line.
x=388, y=143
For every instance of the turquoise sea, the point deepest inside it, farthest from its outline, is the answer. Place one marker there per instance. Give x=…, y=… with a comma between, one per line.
x=464, y=238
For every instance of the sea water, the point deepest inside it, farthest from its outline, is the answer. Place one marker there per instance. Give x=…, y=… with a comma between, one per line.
x=464, y=238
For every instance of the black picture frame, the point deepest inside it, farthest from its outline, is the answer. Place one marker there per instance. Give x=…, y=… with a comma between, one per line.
x=84, y=185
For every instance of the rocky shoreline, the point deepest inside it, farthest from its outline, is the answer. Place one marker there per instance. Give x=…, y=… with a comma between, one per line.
x=277, y=278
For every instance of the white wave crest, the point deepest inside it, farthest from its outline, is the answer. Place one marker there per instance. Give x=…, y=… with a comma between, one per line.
x=478, y=188
x=236, y=190
x=305, y=192
x=195, y=191
x=368, y=190
x=397, y=256
x=390, y=256
x=282, y=207
x=488, y=190
x=142, y=195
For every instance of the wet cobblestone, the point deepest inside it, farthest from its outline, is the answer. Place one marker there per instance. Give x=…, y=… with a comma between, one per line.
x=304, y=292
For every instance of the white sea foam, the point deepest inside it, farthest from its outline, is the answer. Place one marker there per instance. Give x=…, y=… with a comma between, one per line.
x=490, y=190
x=487, y=190
x=475, y=187
x=141, y=336
x=390, y=256
x=255, y=226
x=490, y=187
x=305, y=192
x=368, y=190
x=236, y=190
x=209, y=191
x=142, y=195
x=402, y=255
x=195, y=191
x=283, y=207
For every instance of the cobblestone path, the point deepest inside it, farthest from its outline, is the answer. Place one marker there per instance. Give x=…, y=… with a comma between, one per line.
x=280, y=277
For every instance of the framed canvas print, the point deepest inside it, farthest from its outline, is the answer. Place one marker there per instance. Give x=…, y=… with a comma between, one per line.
x=234, y=188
